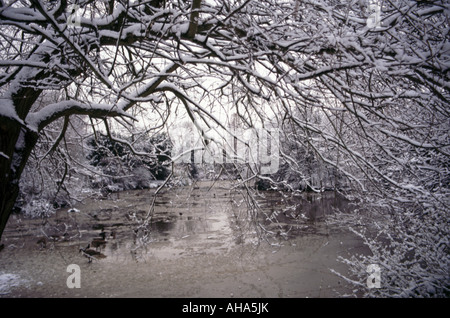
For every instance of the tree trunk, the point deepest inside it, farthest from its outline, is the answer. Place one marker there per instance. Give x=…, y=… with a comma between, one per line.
x=16, y=144
x=7, y=202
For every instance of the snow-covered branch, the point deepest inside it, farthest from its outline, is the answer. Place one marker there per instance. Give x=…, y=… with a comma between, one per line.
x=39, y=119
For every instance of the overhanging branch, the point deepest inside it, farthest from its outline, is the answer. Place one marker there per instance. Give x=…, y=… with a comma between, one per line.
x=38, y=120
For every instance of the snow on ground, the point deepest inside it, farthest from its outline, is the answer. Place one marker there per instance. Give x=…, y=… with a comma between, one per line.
x=8, y=281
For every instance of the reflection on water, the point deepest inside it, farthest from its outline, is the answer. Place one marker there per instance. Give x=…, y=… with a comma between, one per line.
x=214, y=219
x=205, y=229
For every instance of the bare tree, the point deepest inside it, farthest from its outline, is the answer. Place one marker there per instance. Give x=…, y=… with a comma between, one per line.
x=363, y=90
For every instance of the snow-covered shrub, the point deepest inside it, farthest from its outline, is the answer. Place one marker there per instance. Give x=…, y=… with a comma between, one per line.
x=409, y=244
x=121, y=169
x=52, y=178
x=38, y=208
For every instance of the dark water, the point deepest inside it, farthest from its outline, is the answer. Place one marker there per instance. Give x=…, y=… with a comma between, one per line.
x=203, y=240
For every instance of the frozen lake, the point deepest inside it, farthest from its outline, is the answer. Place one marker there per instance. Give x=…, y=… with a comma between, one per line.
x=198, y=241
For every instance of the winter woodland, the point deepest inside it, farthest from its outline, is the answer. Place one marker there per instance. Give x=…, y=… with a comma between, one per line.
x=97, y=96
